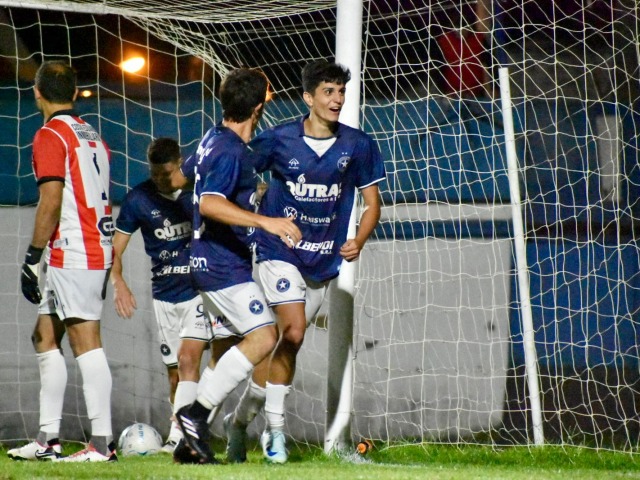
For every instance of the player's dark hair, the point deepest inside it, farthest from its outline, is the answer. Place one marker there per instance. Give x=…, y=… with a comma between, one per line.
x=56, y=81
x=163, y=150
x=242, y=90
x=314, y=73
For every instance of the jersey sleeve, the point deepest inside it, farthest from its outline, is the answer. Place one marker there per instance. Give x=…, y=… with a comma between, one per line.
x=222, y=175
x=188, y=167
x=128, y=221
x=49, y=156
x=370, y=167
x=261, y=150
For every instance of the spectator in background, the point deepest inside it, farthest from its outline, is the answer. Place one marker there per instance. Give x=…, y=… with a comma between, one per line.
x=463, y=49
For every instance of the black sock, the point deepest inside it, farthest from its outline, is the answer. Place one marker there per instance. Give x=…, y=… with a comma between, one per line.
x=199, y=411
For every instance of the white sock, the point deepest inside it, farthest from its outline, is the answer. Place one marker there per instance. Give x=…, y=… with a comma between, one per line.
x=175, y=434
x=274, y=405
x=53, y=382
x=96, y=384
x=216, y=385
x=250, y=403
x=186, y=393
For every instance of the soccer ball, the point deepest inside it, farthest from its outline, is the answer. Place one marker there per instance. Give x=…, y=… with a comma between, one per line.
x=139, y=439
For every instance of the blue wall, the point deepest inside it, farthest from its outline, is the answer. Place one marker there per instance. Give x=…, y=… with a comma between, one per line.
x=584, y=294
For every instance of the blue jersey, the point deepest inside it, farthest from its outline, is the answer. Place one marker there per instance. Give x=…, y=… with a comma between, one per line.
x=317, y=191
x=165, y=225
x=221, y=253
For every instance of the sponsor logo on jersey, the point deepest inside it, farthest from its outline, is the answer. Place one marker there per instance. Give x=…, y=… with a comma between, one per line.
x=256, y=307
x=294, y=164
x=155, y=212
x=106, y=226
x=174, y=270
x=198, y=263
x=173, y=232
x=164, y=255
x=61, y=243
x=313, y=192
x=325, y=248
x=283, y=285
x=343, y=162
x=290, y=212
x=85, y=131
x=314, y=220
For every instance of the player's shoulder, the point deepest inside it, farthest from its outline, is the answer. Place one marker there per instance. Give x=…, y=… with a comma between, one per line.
x=354, y=134
x=144, y=189
x=291, y=127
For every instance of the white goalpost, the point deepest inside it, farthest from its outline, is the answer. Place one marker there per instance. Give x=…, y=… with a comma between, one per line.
x=496, y=302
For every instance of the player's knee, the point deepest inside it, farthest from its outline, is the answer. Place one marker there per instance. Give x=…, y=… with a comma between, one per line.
x=40, y=344
x=187, y=363
x=293, y=337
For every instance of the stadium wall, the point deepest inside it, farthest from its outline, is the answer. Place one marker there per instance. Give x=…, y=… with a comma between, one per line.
x=581, y=333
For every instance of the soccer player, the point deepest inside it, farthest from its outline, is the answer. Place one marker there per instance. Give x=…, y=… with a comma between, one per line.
x=164, y=214
x=224, y=225
x=73, y=218
x=316, y=164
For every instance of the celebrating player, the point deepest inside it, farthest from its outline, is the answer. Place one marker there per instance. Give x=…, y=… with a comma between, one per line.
x=73, y=218
x=316, y=164
x=164, y=214
x=224, y=224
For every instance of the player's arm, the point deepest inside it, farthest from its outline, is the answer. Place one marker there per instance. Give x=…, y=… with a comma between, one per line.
x=123, y=299
x=218, y=208
x=47, y=218
x=351, y=249
x=47, y=212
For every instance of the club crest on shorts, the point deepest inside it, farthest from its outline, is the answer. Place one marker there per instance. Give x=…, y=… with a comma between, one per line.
x=165, y=350
x=283, y=285
x=256, y=307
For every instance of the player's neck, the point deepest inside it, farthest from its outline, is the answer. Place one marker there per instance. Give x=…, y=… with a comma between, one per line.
x=48, y=109
x=317, y=128
x=243, y=129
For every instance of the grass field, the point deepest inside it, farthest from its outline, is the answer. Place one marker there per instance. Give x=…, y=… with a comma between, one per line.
x=401, y=462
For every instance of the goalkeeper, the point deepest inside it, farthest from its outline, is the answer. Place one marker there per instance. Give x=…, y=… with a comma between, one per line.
x=73, y=219
x=316, y=165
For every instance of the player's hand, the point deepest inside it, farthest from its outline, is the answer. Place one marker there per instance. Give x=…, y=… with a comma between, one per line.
x=123, y=300
x=30, y=275
x=284, y=228
x=351, y=249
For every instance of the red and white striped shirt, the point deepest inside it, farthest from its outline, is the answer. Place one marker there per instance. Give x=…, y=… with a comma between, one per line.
x=68, y=149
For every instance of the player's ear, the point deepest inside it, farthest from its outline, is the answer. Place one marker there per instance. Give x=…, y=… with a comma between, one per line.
x=308, y=99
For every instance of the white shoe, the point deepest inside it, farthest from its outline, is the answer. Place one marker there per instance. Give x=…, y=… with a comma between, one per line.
x=236, y=440
x=274, y=446
x=169, y=446
x=35, y=451
x=90, y=454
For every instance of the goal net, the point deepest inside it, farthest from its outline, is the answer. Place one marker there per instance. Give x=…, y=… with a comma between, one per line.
x=439, y=350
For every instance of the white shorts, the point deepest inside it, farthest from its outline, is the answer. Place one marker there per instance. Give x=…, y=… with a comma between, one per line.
x=283, y=283
x=178, y=321
x=237, y=310
x=72, y=293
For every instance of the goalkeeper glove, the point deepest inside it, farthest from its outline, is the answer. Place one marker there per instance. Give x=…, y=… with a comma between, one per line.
x=29, y=277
